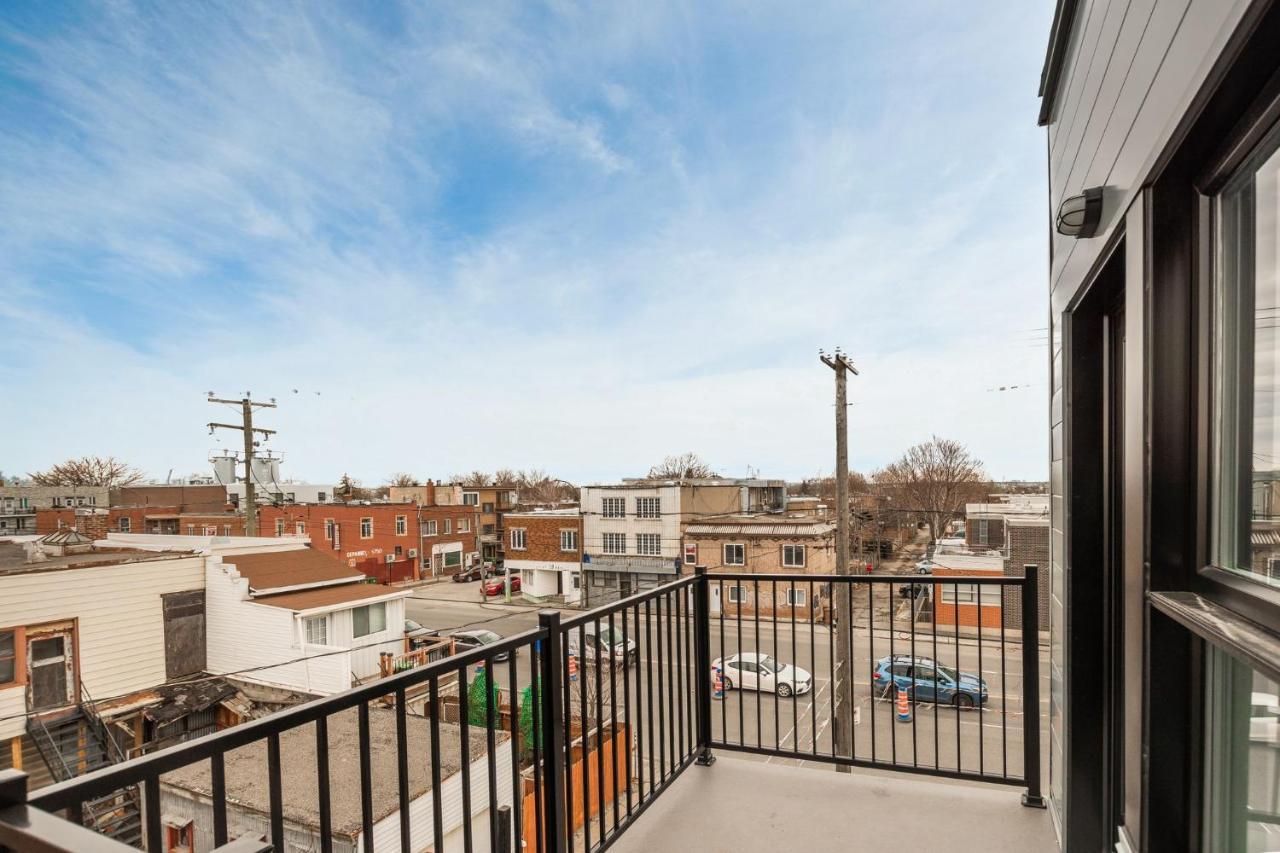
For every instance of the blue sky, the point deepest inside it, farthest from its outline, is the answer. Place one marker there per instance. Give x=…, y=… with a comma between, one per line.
x=574, y=237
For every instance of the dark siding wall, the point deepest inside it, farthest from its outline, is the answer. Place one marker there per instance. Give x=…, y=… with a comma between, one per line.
x=184, y=633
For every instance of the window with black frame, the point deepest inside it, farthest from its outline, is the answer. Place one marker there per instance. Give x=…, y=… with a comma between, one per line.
x=1246, y=424
x=1242, y=712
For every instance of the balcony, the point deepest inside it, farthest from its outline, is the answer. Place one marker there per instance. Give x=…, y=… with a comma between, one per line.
x=631, y=726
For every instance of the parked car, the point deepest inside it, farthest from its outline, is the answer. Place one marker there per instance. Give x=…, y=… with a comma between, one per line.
x=496, y=585
x=757, y=671
x=926, y=680
x=475, y=638
x=925, y=567
x=417, y=635
x=475, y=573
x=608, y=644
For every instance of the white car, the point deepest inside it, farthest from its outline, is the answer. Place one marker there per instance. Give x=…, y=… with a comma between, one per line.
x=756, y=671
x=604, y=643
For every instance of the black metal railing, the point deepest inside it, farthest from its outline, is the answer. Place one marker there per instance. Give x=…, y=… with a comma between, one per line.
x=957, y=696
x=606, y=709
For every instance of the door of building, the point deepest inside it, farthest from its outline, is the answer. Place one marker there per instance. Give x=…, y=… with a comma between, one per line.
x=50, y=668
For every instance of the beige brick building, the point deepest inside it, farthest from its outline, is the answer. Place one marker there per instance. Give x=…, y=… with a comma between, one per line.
x=769, y=543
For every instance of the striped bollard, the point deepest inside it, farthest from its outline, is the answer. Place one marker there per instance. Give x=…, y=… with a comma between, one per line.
x=717, y=683
x=904, y=706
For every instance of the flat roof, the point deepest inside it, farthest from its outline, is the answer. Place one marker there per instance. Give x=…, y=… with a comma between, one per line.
x=765, y=525
x=331, y=596
x=640, y=483
x=567, y=512
x=246, y=768
x=13, y=558
x=300, y=568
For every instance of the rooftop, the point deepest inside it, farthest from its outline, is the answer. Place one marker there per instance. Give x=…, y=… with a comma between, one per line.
x=13, y=558
x=331, y=596
x=763, y=524
x=640, y=483
x=246, y=768
x=287, y=570
x=567, y=512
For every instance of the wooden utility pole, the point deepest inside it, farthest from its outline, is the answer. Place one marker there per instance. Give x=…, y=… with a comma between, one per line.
x=246, y=426
x=842, y=599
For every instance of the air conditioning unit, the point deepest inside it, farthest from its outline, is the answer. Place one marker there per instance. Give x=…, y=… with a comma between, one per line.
x=413, y=552
x=391, y=558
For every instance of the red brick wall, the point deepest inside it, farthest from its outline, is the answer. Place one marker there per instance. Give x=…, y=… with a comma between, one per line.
x=959, y=613
x=50, y=520
x=542, y=538
x=369, y=555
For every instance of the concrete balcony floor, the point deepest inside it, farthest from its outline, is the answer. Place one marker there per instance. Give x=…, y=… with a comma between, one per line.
x=739, y=805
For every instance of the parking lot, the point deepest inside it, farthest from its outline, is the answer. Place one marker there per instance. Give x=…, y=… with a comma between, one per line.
x=987, y=740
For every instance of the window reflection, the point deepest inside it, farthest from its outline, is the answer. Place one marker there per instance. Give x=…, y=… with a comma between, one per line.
x=1247, y=369
x=1243, y=784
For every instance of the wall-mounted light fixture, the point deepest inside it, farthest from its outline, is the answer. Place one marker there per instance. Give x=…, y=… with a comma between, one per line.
x=1079, y=215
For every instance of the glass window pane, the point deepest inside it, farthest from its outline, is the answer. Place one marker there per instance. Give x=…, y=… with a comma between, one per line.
x=1246, y=510
x=1242, y=784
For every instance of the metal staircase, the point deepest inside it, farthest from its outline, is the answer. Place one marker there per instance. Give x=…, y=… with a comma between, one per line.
x=75, y=741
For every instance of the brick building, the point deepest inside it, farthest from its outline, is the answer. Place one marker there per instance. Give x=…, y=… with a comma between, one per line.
x=170, y=520
x=985, y=523
x=1027, y=544
x=762, y=544
x=19, y=505
x=545, y=547
x=389, y=542
x=202, y=497
x=967, y=604
x=491, y=503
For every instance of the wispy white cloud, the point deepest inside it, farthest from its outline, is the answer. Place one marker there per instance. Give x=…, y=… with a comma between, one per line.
x=573, y=237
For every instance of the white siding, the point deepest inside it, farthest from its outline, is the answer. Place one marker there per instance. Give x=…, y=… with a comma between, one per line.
x=13, y=704
x=386, y=832
x=365, y=650
x=121, y=623
x=242, y=635
x=1130, y=75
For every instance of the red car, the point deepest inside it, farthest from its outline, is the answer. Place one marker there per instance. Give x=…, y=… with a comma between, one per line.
x=495, y=586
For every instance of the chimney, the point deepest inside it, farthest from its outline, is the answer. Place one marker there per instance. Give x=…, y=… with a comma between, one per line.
x=92, y=523
x=429, y=494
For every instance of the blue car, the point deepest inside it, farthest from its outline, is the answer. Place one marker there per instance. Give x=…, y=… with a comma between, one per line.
x=926, y=680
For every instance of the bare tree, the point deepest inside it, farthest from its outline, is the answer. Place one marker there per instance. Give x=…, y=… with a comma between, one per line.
x=474, y=479
x=88, y=471
x=538, y=487
x=686, y=466
x=505, y=478
x=402, y=480
x=934, y=479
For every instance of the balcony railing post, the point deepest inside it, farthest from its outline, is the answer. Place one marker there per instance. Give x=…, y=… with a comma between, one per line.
x=550, y=696
x=1031, y=686
x=702, y=659
x=13, y=788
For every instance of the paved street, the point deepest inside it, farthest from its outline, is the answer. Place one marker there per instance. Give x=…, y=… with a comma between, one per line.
x=987, y=741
